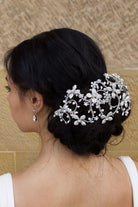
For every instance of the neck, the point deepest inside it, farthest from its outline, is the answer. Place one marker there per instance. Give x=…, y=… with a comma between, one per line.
x=52, y=151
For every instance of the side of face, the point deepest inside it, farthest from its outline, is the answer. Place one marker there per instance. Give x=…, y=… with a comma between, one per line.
x=22, y=111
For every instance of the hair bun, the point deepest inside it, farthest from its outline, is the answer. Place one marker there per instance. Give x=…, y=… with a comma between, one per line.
x=116, y=129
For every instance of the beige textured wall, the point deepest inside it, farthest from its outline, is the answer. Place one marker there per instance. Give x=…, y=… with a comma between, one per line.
x=112, y=24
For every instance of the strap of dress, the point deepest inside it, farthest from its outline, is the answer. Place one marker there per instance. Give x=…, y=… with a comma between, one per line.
x=6, y=191
x=133, y=174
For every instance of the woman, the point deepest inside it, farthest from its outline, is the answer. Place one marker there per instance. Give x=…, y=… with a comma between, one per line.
x=59, y=87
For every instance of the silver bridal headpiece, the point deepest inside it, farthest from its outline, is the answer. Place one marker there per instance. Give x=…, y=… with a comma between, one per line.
x=112, y=92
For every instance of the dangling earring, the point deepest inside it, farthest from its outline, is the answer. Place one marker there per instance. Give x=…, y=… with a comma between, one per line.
x=34, y=116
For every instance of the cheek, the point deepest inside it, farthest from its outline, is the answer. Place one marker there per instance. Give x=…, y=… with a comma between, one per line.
x=14, y=104
x=20, y=113
x=9, y=98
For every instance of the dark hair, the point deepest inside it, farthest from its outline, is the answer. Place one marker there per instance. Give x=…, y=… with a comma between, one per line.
x=52, y=62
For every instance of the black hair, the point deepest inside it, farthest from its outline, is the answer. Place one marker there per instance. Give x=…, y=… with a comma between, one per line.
x=52, y=62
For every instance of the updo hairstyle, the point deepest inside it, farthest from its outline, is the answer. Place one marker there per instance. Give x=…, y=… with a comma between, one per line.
x=51, y=63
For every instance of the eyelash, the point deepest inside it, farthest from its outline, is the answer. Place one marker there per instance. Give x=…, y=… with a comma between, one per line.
x=8, y=88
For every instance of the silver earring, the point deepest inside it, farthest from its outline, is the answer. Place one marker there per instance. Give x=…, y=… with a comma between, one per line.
x=34, y=116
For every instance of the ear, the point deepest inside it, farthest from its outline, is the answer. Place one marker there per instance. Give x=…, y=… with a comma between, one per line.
x=37, y=101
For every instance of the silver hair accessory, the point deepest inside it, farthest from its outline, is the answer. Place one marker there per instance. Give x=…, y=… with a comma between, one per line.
x=111, y=93
x=34, y=116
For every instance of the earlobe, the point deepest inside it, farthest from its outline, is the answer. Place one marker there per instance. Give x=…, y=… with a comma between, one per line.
x=37, y=103
x=36, y=100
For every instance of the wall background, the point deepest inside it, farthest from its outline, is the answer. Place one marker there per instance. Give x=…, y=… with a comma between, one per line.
x=112, y=24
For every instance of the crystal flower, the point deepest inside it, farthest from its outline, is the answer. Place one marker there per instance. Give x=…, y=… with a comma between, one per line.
x=80, y=120
x=107, y=117
x=125, y=100
x=94, y=96
x=72, y=92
